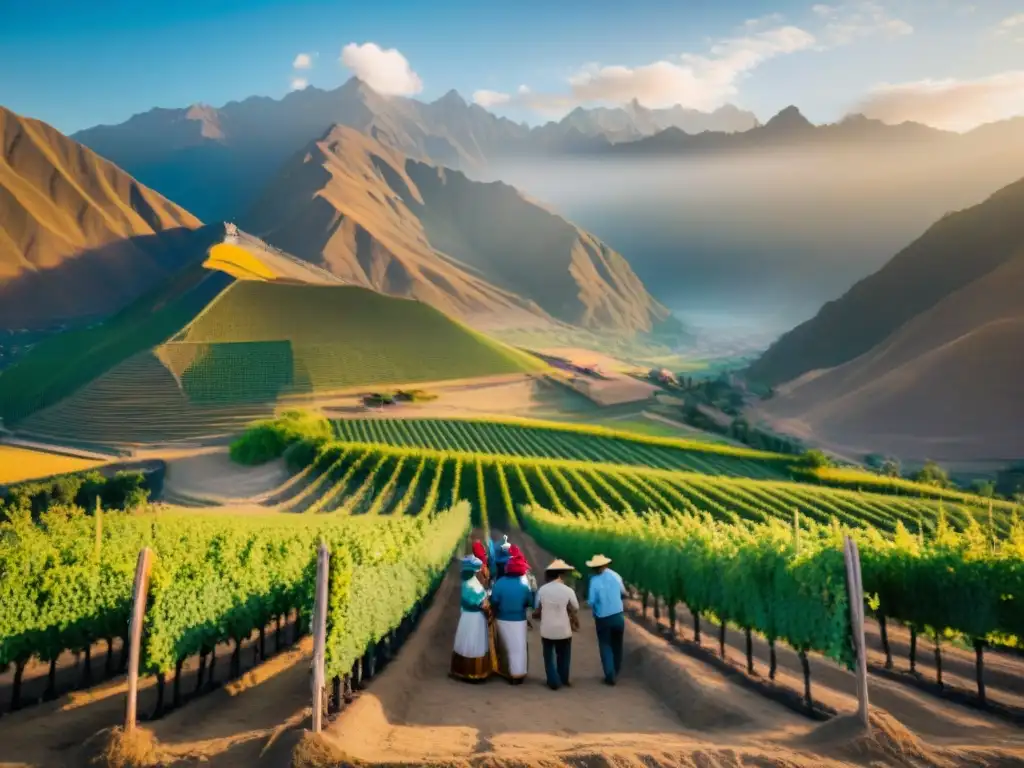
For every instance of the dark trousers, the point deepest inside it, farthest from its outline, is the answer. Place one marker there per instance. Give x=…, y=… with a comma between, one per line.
x=557, y=656
x=610, y=631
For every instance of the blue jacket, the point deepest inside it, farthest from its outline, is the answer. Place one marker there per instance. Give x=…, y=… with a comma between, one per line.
x=511, y=597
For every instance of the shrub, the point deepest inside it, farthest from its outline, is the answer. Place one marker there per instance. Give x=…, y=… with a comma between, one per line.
x=815, y=459
x=301, y=454
x=931, y=474
x=267, y=440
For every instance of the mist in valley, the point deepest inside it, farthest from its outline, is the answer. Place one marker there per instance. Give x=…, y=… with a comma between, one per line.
x=744, y=247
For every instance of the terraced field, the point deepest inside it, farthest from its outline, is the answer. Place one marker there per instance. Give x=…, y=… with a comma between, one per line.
x=563, y=441
x=211, y=350
x=359, y=478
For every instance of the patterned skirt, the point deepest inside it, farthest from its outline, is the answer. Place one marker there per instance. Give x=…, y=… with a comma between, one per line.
x=473, y=657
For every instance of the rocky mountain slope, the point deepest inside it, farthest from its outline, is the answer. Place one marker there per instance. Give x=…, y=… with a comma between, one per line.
x=956, y=251
x=79, y=237
x=922, y=359
x=484, y=252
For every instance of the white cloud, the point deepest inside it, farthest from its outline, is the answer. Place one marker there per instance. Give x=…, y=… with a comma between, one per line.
x=303, y=61
x=490, y=98
x=857, y=19
x=385, y=70
x=955, y=105
x=696, y=81
x=1010, y=24
x=298, y=83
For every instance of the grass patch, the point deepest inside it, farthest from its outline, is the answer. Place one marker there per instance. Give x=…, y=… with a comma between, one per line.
x=268, y=440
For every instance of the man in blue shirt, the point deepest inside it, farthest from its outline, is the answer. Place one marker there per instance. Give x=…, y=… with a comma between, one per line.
x=605, y=597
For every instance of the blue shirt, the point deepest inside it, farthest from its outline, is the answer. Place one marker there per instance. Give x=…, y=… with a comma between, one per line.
x=511, y=596
x=605, y=594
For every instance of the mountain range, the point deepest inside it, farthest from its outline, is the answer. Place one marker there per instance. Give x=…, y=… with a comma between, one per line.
x=82, y=238
x=922, y=358
x=211, y=159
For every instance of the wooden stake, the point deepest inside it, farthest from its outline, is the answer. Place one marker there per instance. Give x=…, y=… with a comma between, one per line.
x=855, y=589
x=139, y=594
x=320, y=635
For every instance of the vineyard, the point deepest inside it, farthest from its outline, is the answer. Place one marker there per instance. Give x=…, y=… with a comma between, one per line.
x=754, y=555
x=67, y=581
x=541, y=439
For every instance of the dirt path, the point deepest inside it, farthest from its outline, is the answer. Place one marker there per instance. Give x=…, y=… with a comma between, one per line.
x=668, y=709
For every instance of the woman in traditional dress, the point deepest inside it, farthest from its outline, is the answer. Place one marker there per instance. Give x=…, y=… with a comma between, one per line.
x=511, y=598
x=473, y=657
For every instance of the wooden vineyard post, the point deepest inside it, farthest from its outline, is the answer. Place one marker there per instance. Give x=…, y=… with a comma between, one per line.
x=855, y=589
x=320, y=635
x=139, y=594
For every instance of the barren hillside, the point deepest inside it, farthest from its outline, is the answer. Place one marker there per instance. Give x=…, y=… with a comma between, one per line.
x=78, y=236
x=958, y=250
x=481, y=251
x=945, y=385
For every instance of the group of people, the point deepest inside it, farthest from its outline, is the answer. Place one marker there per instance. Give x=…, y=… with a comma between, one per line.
x=499, y=597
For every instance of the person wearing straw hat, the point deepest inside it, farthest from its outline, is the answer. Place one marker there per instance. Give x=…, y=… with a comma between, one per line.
x=511, y=597
x=473, y=655
x=605, y=595
x=557, y=608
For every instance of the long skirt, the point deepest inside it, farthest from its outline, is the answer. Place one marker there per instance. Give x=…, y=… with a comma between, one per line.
x=473, y=655
x=512, y=653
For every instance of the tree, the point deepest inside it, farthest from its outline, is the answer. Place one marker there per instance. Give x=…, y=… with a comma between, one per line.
x=891, y=467
x=816, y=459
x=985, y=488
x=874, y=460
x=931, y=474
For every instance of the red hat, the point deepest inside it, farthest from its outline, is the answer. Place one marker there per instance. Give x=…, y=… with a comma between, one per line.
x=515, y=551
x=479, y=551
x=516, y=567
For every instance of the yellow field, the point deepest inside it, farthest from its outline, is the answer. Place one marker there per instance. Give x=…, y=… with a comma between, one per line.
x=17, y=464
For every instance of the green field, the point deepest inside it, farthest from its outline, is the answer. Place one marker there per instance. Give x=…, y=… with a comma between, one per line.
x=358, y=478
x=554, y=440
x=205, y=353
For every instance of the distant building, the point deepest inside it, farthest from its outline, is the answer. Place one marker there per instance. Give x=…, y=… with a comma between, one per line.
x=663, y=376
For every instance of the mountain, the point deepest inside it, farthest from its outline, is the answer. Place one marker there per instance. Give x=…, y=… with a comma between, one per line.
x=79, y=237
x=634, y=121
x=956, y=251
x=788, y=128
x=211, y=159
x=921, y=359
x=241, y=330
x=483, y=252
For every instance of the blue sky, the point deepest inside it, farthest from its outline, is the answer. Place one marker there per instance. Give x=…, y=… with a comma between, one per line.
x=76, y=64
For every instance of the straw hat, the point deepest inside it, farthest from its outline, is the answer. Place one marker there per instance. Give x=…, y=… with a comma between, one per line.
x=559, y=565
x=598, y=561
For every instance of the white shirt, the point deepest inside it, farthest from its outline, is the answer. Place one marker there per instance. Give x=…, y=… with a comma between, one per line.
x=554, y=599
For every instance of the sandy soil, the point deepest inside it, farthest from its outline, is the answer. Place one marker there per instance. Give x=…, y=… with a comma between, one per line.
x=52, y=733
x=534, y=397
x=208, y=474
x=940, y=722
